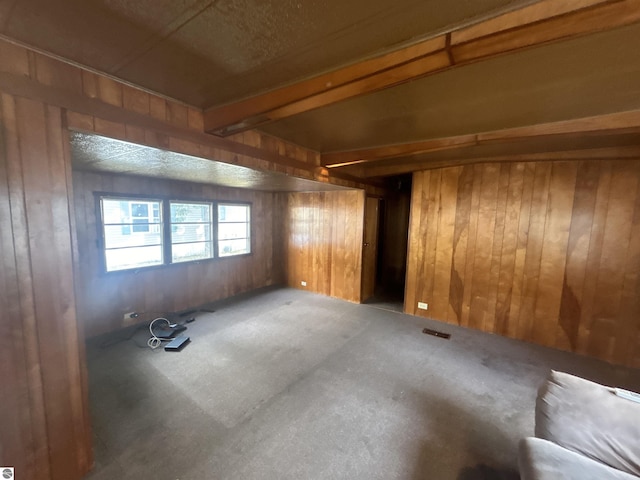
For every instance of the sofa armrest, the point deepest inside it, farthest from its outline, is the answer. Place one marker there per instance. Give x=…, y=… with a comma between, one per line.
x=588, y=418
x=543, y=460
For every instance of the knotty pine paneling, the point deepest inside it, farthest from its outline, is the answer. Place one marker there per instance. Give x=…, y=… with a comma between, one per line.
x=104, y=298
x=547, y=252
x=44, y=422
x=324, y=242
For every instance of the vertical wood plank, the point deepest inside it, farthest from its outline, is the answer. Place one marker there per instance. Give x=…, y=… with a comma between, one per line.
x=460, y=243
x=535, y=242
x=413, y=250
x=484, y=246
x=513, y=329
x=54, y=304
x=496, y=253
x=17, y=435
x=627, y=329
x=554, y=251
x=471, y=245
x=425, y=210
x=439, y=306
x=615, y=245
x=430, y=225
x=577, y=253
x=509, y=248
x=37, y=456
x=593, y=257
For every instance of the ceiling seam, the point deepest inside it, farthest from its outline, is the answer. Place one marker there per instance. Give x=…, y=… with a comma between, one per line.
x=171, y=28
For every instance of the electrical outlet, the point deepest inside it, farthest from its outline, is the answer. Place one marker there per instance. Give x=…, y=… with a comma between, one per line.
x=423, y=306
x=303, y=283
x=129, y=315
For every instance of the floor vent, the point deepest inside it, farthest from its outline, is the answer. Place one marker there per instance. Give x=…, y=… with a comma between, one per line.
x=436, y=333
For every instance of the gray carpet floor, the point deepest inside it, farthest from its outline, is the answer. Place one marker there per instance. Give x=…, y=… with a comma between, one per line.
x=285, y=384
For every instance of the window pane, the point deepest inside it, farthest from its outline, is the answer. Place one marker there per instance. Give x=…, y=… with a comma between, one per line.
x=190, y=212
x=125, y=235
x=116, y=210
x=233, y=213
x=233, y=247
x=132, y=233
x=190, y=232
x=227, y=231
x=191, y=227
x=187, y=252
x=139, y=210
x=135, y=257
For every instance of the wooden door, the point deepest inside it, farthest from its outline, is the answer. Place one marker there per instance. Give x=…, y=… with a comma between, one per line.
x=370, y=247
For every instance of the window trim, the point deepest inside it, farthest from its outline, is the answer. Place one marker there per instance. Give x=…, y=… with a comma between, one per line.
x=166, y=223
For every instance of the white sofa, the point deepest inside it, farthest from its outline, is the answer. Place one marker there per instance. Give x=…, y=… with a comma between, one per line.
x=584, y=431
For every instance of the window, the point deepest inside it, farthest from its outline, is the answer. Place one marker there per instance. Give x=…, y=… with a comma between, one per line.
x=233, y=229
x=144, y=232
x=191, y=237
x=132, y=233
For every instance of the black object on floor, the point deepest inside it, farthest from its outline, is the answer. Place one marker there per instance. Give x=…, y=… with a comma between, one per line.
x=177, y=344
x=165, y=332
x=436, y=333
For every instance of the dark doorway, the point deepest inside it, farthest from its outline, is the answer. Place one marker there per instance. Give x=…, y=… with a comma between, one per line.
x=393, y=232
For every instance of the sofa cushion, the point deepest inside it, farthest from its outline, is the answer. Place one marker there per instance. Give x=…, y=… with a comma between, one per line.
x=543, y=460
x=590, y=419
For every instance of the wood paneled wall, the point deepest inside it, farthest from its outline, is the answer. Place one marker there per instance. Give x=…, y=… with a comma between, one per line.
x=100, y=104
x=44, y=425
x=547, y=252
x=324, y=242
x=104, y=298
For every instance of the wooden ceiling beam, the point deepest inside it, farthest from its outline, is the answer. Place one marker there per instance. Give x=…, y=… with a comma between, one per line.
x=628, y=153
x=367, y=155
x=618, y=122
x=608, y=124
x=368, y=76
x=537, y=24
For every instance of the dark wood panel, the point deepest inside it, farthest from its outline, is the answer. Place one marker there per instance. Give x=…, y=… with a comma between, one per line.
x=49, y=429
x=104, y=298
x=324, y=242
x=546, y=252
